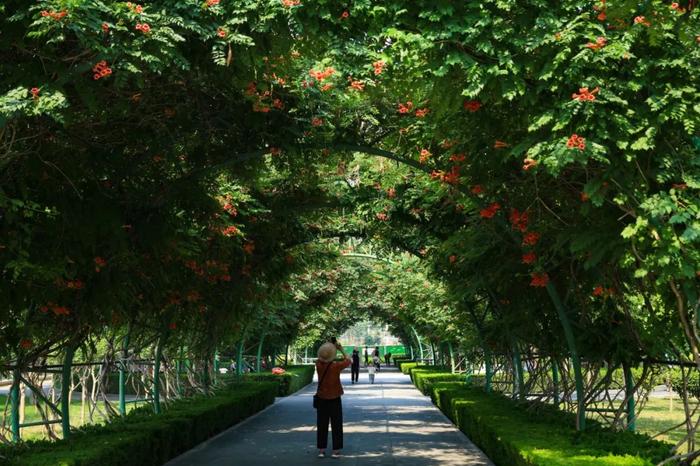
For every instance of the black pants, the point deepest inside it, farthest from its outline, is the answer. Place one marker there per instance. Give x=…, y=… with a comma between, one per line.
x=329, y=410
x=355, y=375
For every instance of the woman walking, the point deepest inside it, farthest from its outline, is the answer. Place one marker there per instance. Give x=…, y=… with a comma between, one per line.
x=328, y=404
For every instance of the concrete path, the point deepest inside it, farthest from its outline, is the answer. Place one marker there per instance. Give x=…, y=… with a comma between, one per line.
x=388, y=423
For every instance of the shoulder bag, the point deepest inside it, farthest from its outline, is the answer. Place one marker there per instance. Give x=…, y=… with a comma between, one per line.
x=316, y=398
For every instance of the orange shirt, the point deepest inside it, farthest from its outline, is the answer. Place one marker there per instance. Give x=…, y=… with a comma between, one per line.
x=331, y=387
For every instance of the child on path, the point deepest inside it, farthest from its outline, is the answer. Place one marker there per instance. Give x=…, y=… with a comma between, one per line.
x=371, y=370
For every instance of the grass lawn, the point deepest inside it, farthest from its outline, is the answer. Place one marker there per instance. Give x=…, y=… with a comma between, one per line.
x=660, y=414
x=39, y=432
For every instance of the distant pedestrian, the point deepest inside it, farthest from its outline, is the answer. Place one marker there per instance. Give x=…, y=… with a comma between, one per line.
x=355, y=367
x=387, y=358
x=376, y=363
x=327, y=401
x=371, y=370
x=366, y=356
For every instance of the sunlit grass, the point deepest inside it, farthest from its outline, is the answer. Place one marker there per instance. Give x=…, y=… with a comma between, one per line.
x=31, y=414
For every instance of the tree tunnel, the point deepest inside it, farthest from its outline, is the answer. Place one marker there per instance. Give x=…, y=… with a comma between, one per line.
x=240, y=178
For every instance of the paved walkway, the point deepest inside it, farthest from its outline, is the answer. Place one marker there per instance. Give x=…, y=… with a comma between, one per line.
x=388, y=423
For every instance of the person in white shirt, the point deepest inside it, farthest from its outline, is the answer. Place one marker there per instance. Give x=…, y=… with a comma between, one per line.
x=371, y=371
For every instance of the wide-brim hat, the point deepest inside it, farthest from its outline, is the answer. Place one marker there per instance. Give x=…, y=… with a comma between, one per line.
x=327, y=352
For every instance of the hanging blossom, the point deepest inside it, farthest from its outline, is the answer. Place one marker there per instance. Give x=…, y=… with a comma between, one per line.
x=472, y=105
x=378, y=67
x=490, y=211
x=576, y=142
x=531, y=238
x=422, y=112
x=519, y=220
x=529, y=258
x=599, y=43
x=539, y=280
x=585, y=95
x=407, y=108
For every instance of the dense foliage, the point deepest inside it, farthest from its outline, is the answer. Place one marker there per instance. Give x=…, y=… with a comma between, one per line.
x=200, y=173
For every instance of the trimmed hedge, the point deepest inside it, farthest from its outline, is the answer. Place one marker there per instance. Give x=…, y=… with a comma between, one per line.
x=294, y=379
x=425, y=380
x=398, y=359
x=406, y=366
x=144, y=439
x=536, y=434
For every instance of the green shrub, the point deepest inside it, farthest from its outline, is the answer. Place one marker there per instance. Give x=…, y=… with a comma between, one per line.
x=426, y=370
x=406, y=366
x=536, y=434
x=294, y=379
x=144, y=439
x=425, y=379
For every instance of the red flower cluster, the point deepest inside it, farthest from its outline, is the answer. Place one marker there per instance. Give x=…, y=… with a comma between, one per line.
x=55, y=308
x=490, y=211
x=275, y=151
x=519, y=220
x=105, y=28
x=391, y=193
x=408, y=108
x=101, y=70
x=221, y=32
x=600, y=291
x=230, y=231
x=138, y=9
x=357, y=85
x=100, y=263
x=382, y=216
x=601, y=16
x=599, y=43
x=424, y=155
x=378, y=67
x=529, y=258
x=291, y=3
x=585, y=95
x=642, y=20
x=453, y=259
x=539, y=280
x=451, y=177
x=145, y=28
x=422, y=112
x=316, y=121
x=677, y=7
x=326, y=87
x=34, y=91
x=477, y=189
x=249, y=247
x=472, y=105
x=345, y=15
x=321, y=75
x=576, y=142
x=213, y=2
x=25, y=343
x=75, y=285
x=529, y=163
x=500, y=144
x=213, y=270
x=278, y=371
x=457, y=158
x=531, y=238
x=57, y=16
